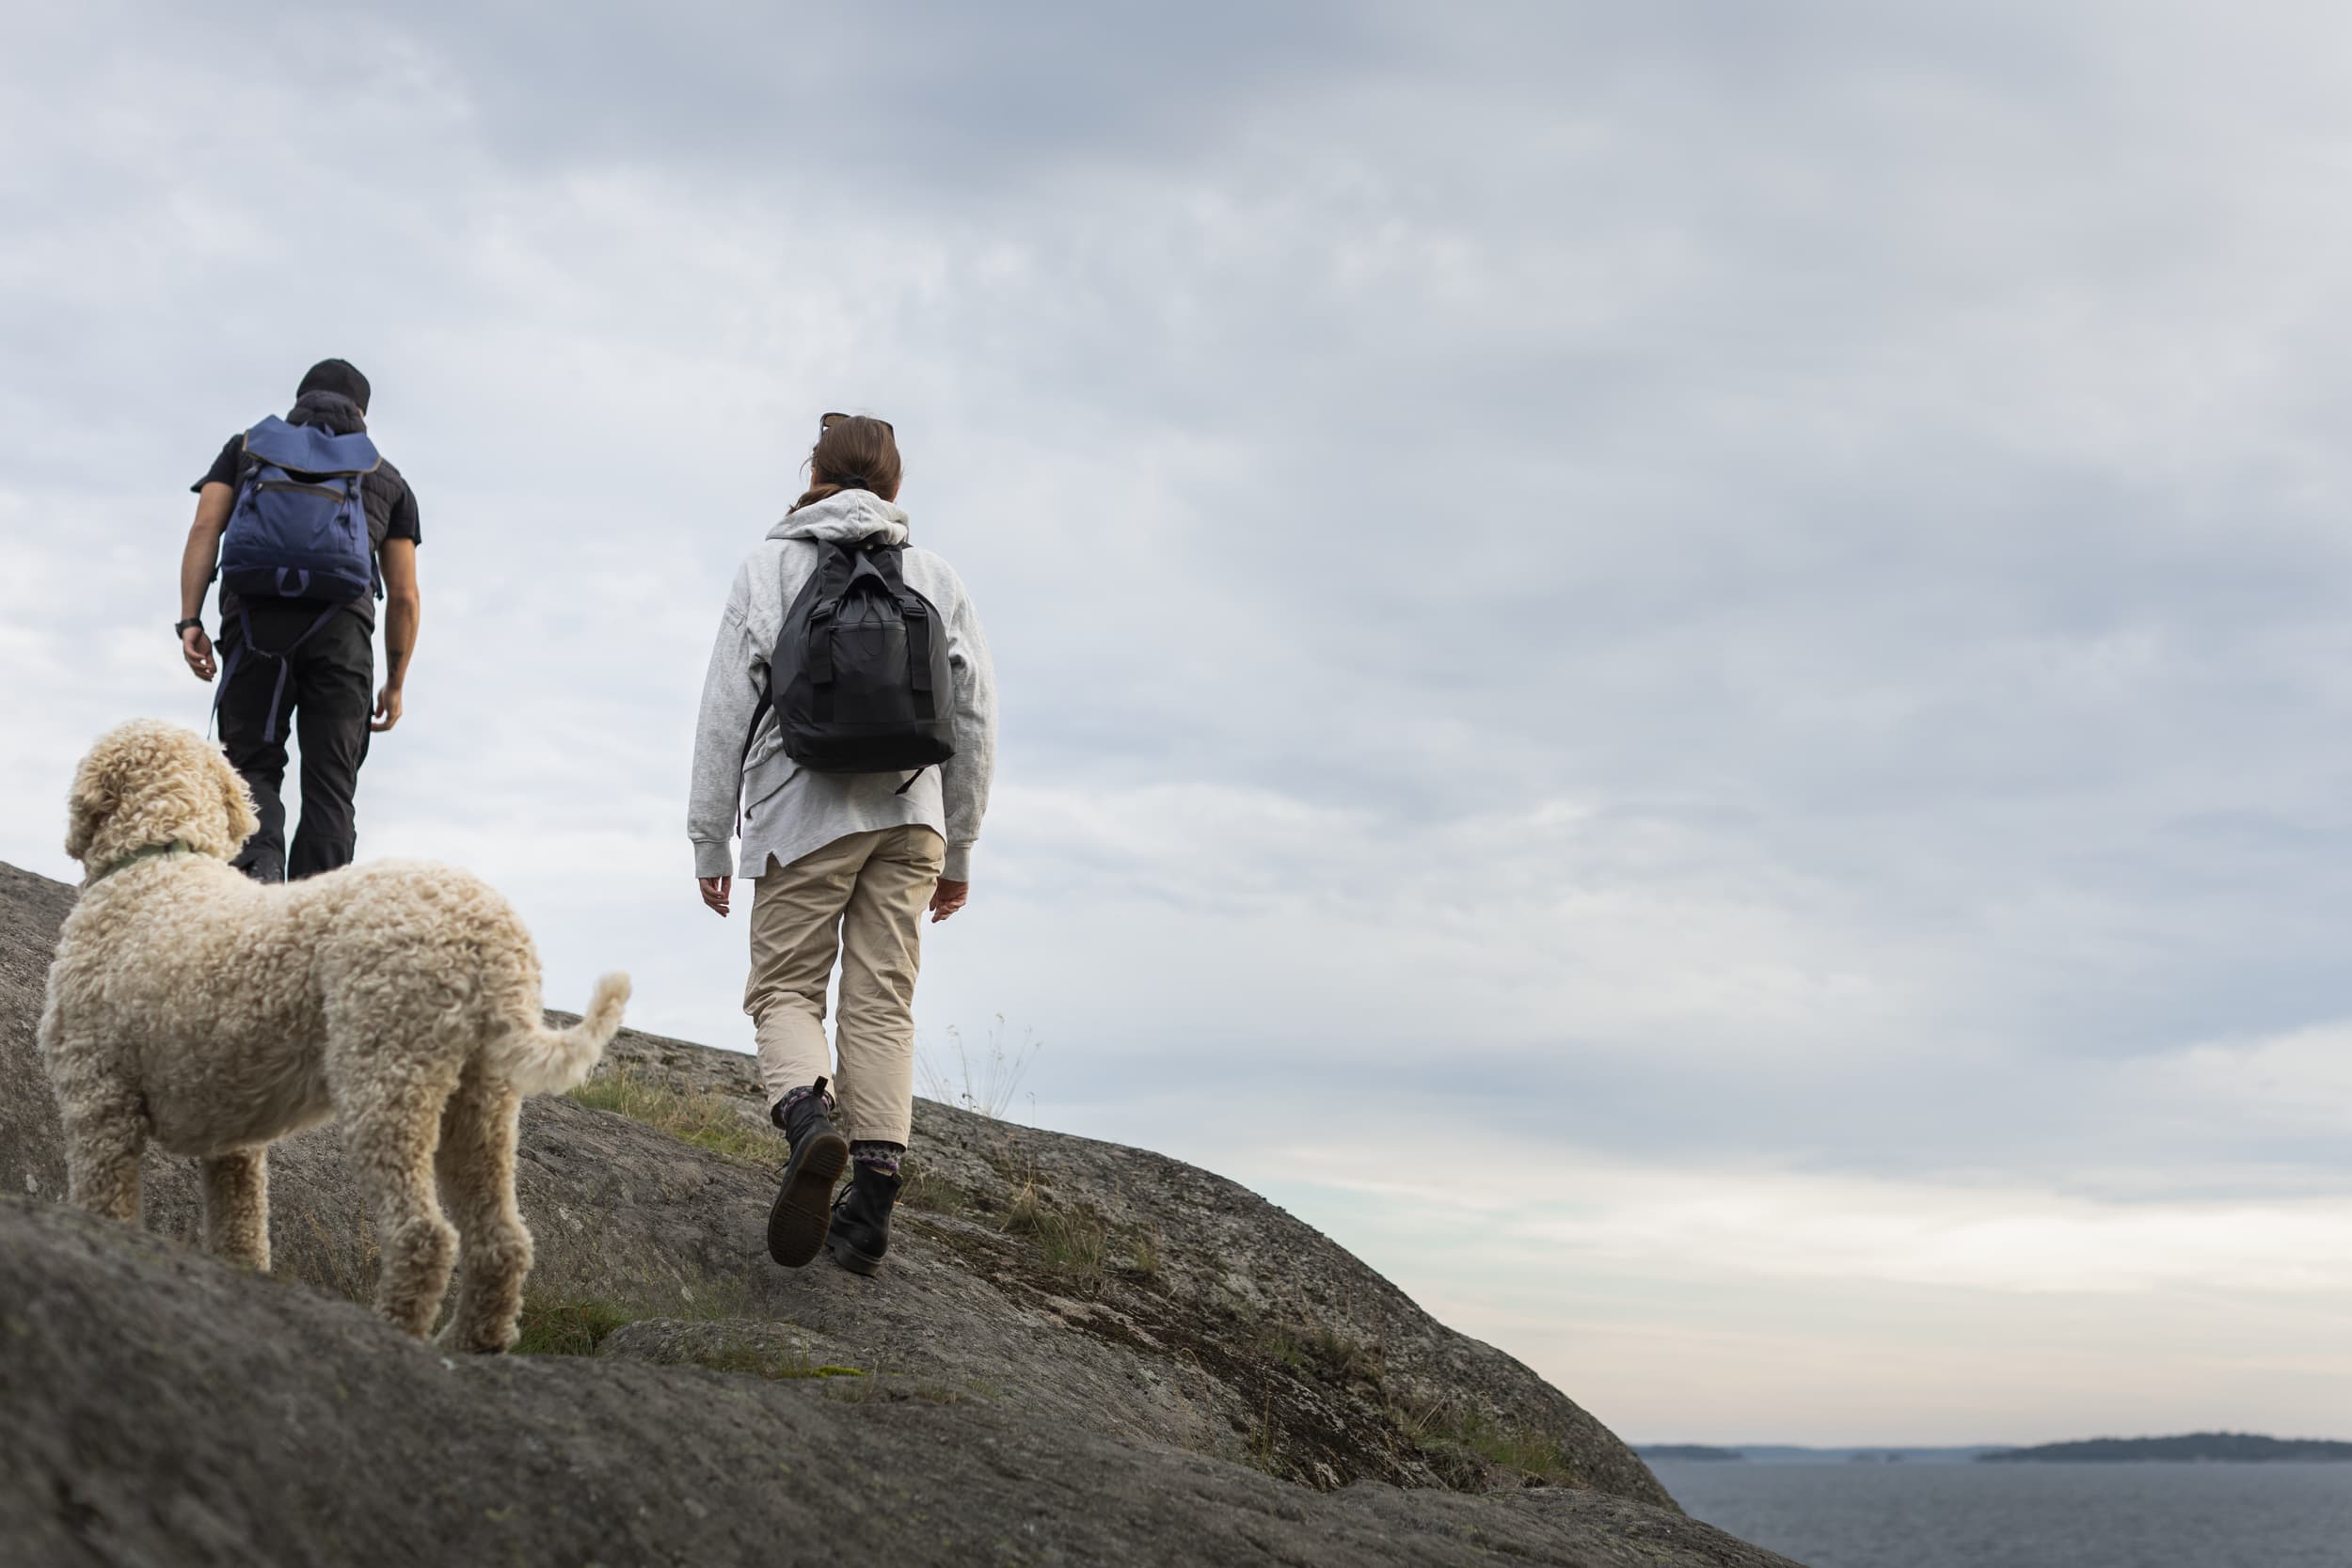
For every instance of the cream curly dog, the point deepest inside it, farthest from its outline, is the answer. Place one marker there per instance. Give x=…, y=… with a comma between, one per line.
x=213, y=1014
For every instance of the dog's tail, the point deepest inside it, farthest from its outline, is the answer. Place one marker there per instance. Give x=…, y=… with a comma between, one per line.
x=539, y=1060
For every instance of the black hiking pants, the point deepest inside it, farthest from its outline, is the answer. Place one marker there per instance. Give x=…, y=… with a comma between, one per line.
x=324, y=700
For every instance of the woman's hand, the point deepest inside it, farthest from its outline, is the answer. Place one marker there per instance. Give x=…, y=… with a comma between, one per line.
x=948, y=897
x=714, y=892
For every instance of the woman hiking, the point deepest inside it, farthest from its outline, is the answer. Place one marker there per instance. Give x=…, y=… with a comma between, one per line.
x=850, y=712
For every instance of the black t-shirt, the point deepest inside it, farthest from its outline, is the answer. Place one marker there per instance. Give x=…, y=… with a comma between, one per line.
x=391, y=509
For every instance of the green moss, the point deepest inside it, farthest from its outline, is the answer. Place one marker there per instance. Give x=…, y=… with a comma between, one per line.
x=568, y=1328
x=708, y=1121
x=577, y=1327
x=762, y=1361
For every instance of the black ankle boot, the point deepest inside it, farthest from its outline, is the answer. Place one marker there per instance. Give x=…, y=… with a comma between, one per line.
x=861, y=1219
x=796, y=1225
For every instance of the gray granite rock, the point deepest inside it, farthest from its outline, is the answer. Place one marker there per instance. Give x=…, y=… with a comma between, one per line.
x=1077, y=1353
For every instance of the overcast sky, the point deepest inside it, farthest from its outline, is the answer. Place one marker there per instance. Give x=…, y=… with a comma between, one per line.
x=1679, y=667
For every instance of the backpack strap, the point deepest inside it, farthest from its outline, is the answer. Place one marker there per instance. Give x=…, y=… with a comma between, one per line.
x=918, y=616
x=277, y=693
x=889, y=564
x=831, y=563
x=766, y=702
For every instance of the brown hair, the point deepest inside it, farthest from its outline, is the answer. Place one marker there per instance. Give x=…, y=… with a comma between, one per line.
x=852, y=454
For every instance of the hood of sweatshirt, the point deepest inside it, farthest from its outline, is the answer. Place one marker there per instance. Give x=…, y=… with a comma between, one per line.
x=843, y=517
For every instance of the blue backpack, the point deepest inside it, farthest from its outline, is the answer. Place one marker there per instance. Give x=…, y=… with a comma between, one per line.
x=299, y=529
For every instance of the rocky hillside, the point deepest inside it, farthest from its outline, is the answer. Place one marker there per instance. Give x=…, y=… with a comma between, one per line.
x=1078, y=1353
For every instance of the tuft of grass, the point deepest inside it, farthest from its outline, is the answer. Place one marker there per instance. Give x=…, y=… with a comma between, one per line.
x=1078, y=1243
x=1075, y=1242
x=1143, y=1254
x=1530, y=1454
x=562, y=1326
x=1262, y=1444
x=708, y=1121
x=991, y=1089
x=1321, y=1351
x=1344, y=1358
x=1279, y=1344
x=926, y=1189
x=1025, y=1213
x=1449, y=1432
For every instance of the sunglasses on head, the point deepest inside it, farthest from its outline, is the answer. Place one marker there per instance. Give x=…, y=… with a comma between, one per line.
x=832, y=420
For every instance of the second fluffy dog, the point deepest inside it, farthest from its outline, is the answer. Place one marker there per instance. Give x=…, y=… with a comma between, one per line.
x=192, y=1007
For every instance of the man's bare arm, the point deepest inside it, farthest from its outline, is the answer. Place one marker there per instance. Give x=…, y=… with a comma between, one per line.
x=196, y=572
x=404, y=609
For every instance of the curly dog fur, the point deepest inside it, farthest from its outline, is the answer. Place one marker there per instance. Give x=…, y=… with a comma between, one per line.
x=211, y=1014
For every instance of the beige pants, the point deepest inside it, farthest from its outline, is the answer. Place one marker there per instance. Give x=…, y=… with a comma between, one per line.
x=860, y=898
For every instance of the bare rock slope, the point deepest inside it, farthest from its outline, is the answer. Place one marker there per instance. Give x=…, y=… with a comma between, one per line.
x=1078, y=1353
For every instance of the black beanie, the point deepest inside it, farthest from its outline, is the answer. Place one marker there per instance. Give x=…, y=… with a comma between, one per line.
x=338, y=376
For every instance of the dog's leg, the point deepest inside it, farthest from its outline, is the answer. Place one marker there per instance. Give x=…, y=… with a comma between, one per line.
x=477, y=1164
x=391, y=1153
x=236, y=1207
x=105, y=1133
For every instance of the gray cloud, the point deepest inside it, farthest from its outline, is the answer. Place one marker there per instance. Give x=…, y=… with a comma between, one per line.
x=1735, y=589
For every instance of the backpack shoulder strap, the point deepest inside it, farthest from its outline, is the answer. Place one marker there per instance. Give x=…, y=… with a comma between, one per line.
x=809, y=600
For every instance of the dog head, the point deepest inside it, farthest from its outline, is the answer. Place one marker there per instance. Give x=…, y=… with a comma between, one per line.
x=149, y=783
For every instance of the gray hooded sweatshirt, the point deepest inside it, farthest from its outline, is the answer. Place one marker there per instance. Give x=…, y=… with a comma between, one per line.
x=787, y=811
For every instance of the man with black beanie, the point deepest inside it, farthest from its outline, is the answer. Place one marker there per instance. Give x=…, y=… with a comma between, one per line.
x=299, y=664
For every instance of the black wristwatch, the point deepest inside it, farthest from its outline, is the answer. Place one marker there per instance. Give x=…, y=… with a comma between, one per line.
x=179, y=628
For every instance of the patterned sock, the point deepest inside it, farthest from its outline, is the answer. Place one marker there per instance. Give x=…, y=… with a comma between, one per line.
x=783, y=1108
x=882, y=1156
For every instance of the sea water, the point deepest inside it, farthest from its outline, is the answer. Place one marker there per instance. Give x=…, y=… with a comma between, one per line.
x=1845, y=1514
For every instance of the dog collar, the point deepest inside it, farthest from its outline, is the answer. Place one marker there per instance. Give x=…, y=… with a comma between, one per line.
x=176, y=847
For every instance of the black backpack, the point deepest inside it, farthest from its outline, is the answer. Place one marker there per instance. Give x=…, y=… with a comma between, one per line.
x=859, y=679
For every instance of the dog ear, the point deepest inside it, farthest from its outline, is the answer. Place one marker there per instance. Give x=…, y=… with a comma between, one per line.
x=91, y=801
x=236, y=799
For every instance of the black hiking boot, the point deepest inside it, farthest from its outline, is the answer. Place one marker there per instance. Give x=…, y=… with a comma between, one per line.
x=796, y=1225
x=861, y=1219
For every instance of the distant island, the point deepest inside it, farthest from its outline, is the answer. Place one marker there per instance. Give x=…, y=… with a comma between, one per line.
x=1784, y=1454
x=2219, y=1447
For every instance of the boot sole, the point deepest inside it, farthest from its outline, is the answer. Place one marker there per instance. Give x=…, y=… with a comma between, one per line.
x=850, y=1258
x=804, y=1207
